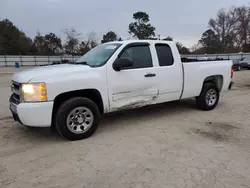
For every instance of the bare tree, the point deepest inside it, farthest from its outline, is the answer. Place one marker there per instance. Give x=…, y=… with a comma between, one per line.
x=92, y=39
x=87, y=44
x=223, y=25
x=72, y=40
x=242, y=28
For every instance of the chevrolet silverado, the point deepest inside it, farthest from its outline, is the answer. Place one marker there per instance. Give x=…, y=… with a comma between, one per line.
x=111, y=77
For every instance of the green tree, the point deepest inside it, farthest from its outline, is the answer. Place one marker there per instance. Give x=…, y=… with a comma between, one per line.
x=182, y=49
x=210, y=42
x=13, y=41
x=53, y=43
x=39, y=42
x=109, y=36
x=141, y=28
x=47, y=45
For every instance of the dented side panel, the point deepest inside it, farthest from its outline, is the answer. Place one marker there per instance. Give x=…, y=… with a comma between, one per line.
x=130, y=100
x=130, y=88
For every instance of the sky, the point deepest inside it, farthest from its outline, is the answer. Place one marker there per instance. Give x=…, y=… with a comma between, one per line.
x=184, y=20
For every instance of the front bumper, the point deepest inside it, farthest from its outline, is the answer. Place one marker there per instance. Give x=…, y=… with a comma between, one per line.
x=33, y=114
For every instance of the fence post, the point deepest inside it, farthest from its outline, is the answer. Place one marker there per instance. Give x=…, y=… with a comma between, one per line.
x=48, y=60
x=35, y=60
x=21, y=60
x=228, y=55
x=5, y=60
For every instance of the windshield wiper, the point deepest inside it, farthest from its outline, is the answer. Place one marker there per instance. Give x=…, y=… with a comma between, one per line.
x=81, y=63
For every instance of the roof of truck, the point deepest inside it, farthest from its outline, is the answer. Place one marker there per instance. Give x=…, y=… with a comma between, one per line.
x=148, y=41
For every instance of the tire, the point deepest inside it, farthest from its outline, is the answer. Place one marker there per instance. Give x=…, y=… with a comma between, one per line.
x=206, y=103
x=77, y=126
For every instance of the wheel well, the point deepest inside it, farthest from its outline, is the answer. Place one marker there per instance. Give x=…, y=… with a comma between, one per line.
x=217, y=79
x=91, y=94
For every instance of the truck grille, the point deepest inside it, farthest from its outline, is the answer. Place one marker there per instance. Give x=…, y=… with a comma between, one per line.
x=16, y=90
x=16, y=85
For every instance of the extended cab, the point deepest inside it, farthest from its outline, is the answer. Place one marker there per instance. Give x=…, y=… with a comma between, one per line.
x=111, y=77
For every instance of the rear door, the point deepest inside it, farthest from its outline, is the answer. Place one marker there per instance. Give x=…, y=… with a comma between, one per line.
x=134, y=86
x=169, y=72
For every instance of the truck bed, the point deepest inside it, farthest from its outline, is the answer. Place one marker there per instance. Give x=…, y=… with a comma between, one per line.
x=196, y=72
x=190, y=60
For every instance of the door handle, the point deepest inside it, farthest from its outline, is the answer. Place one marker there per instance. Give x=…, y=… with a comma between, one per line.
x=150, y=75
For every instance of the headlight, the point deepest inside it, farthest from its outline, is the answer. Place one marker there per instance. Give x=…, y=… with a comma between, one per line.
x=34, y=92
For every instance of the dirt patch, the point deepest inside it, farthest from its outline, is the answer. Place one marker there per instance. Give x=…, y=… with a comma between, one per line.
x=211, y=135
x=221, y=125
x=217, y=131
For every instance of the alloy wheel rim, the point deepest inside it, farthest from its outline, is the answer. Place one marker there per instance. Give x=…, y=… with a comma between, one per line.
x=79, y=120
x=211, y=97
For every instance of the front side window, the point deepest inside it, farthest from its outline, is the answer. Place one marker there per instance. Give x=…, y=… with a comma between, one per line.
x=139, y=55
x=99, y=55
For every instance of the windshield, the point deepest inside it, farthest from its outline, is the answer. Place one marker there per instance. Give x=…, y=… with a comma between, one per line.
x=99, y=55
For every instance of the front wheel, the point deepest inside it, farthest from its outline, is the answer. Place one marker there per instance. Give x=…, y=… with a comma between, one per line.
x=209, y=97
x=77, y=118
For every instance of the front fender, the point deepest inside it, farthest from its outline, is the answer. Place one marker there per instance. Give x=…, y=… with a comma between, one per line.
x=62, y=83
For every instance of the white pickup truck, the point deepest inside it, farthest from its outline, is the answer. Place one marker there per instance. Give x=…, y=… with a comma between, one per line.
x=111, y=77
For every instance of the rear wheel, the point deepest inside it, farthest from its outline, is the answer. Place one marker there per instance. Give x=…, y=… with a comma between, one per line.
x=209, y=97
x=77, y=118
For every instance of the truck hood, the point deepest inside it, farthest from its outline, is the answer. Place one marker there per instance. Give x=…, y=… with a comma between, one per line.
x=44, y=72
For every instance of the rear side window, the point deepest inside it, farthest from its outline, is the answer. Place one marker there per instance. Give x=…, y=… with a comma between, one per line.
x=140, y=55
x=164, y=54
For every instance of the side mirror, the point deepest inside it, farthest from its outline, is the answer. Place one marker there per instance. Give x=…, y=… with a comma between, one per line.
x=120, y=64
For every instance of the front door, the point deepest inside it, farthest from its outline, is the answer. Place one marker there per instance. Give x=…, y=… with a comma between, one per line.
x=135, y=86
